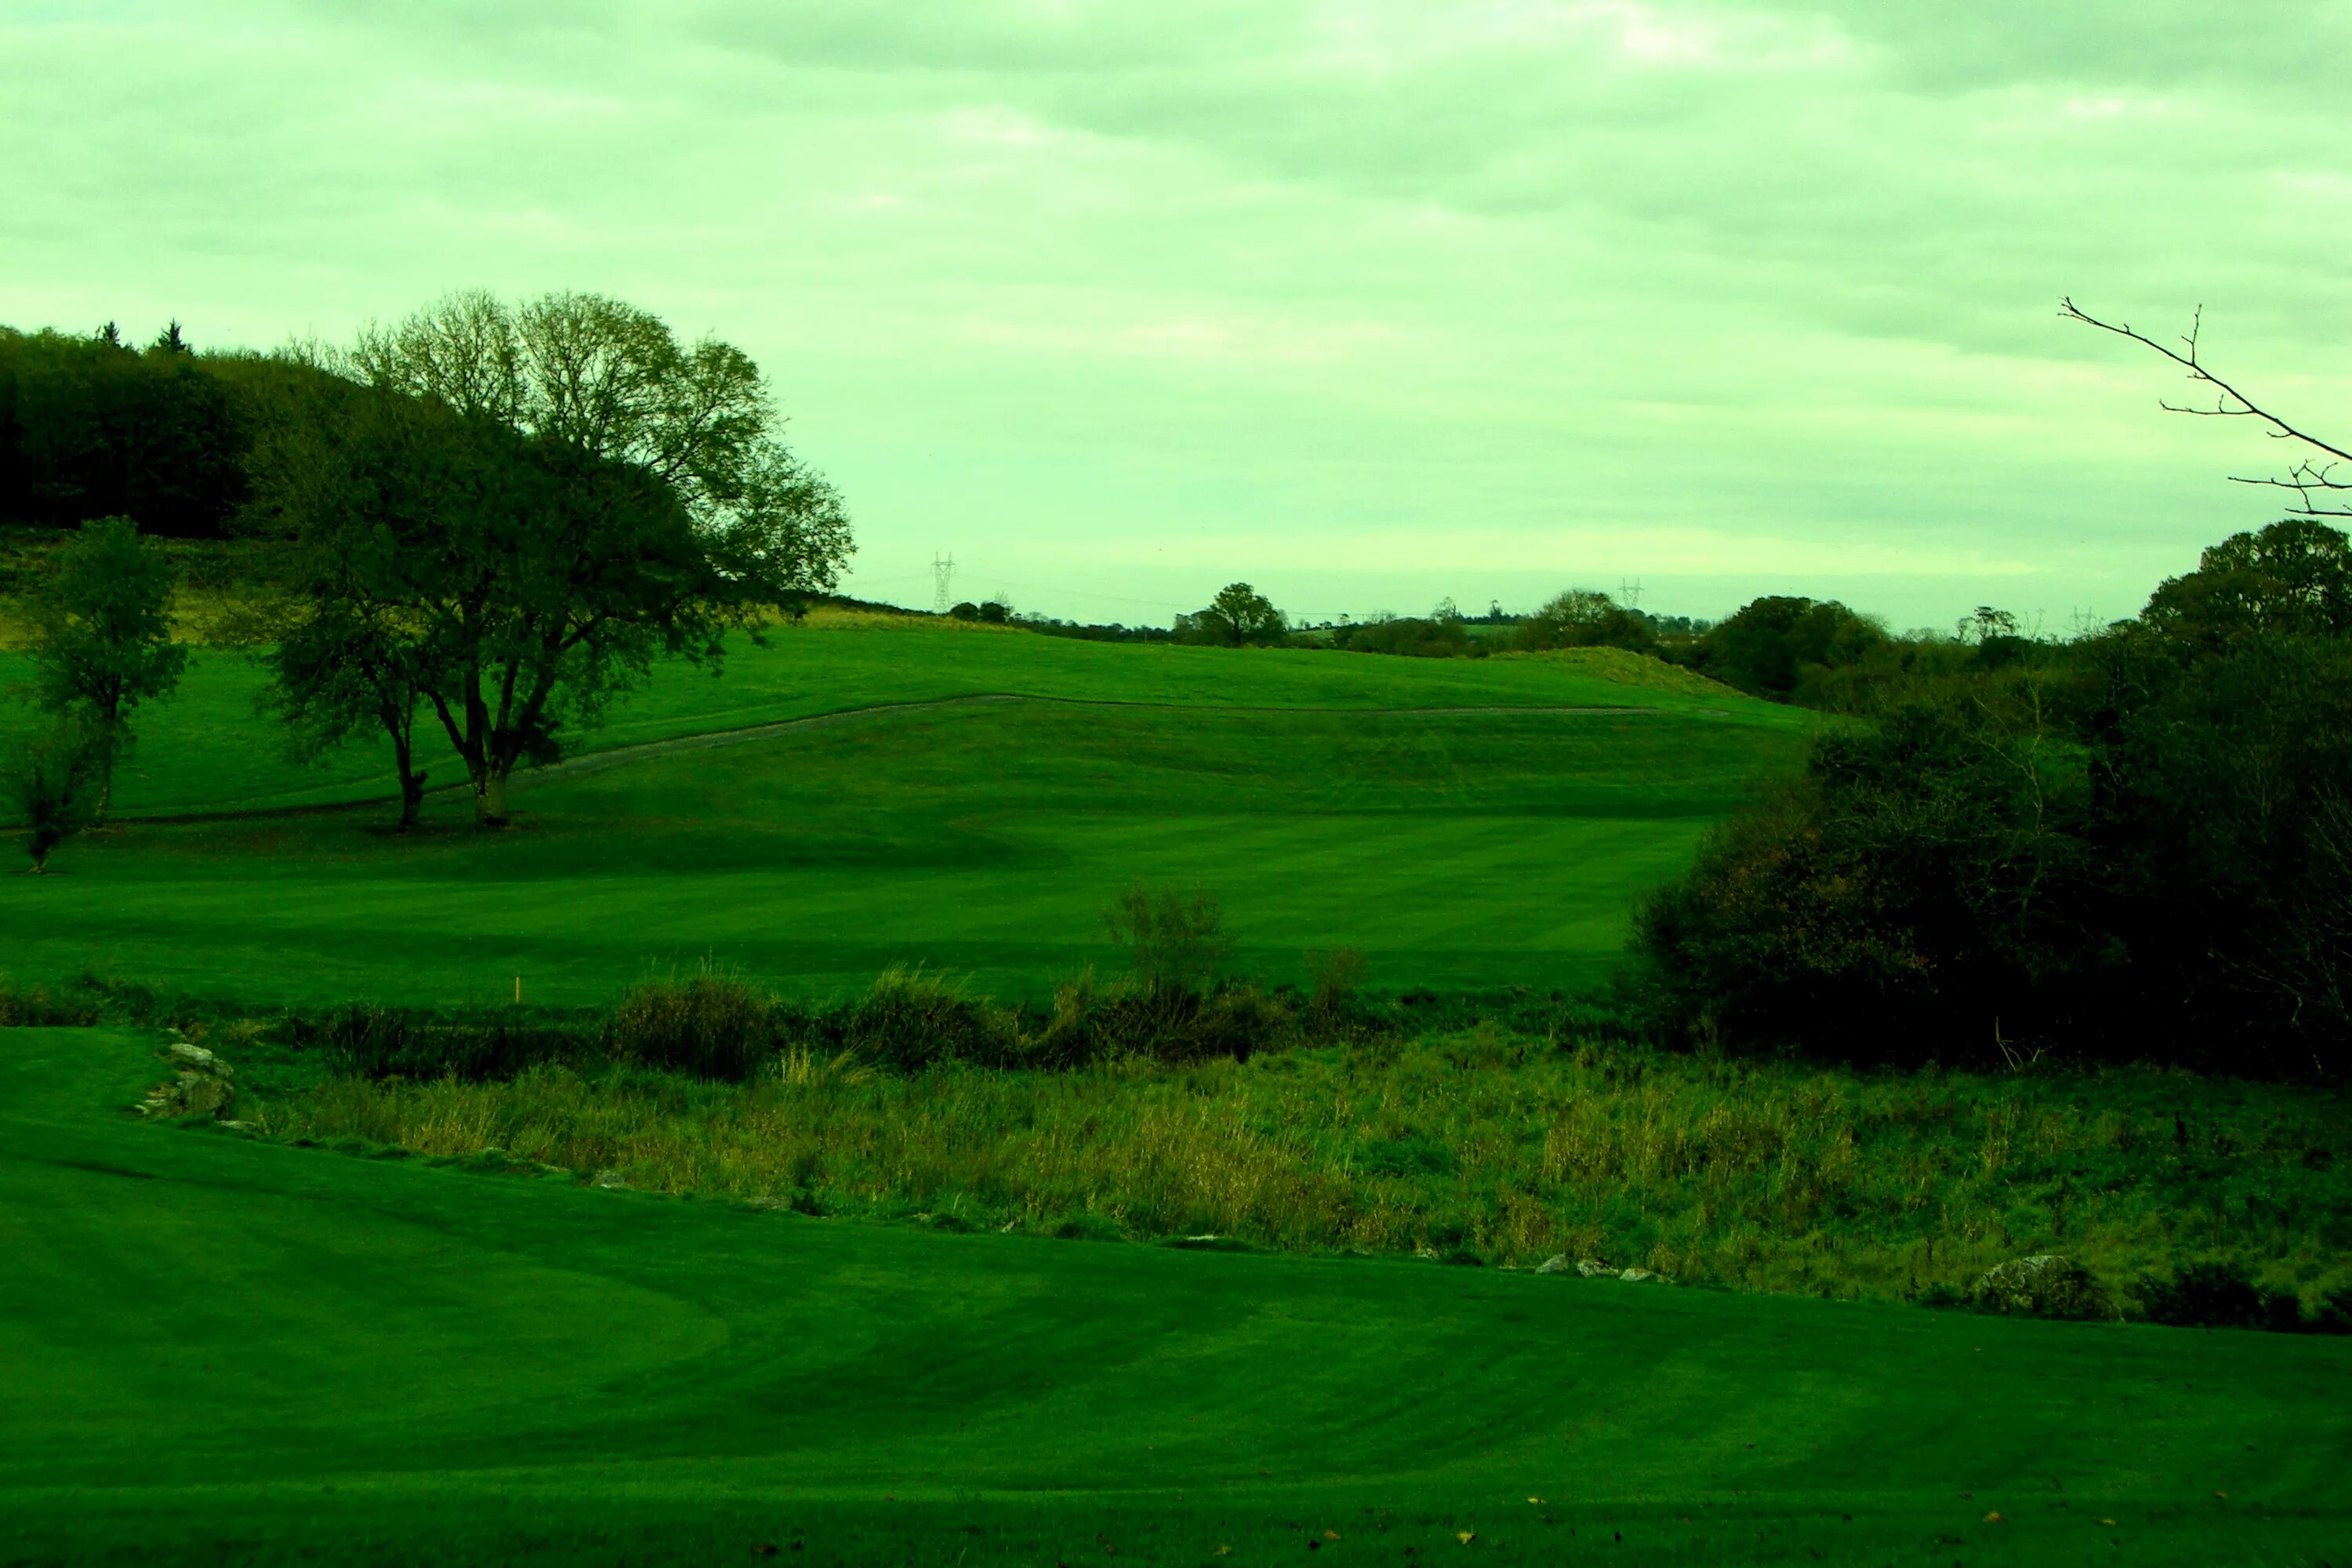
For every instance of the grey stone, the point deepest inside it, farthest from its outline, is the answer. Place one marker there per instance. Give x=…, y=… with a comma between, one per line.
x=2047, y=1285
x=1556, y=1264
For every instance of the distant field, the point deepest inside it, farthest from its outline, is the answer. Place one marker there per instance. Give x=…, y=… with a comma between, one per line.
x=216, y=1350
x=1458, y=849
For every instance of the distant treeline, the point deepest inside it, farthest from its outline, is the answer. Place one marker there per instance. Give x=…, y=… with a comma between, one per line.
x=1782, y=647
x=92, y=427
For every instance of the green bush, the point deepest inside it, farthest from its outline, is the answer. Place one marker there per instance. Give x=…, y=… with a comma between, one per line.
x=2216, y=1295
x=1133, y=1017
x=1928, y=888
x=1334, y=1010
x=911, y=1018
x=57, y=788
x=1582, y=617
x=40, y=1008
x=370, y=1041
x=710, y=1025
x=1408, y=636
x=1175, y=940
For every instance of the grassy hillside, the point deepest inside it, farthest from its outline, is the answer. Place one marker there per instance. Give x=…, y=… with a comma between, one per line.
x=1493, y=839
x=207, y=749
x=221, y=1348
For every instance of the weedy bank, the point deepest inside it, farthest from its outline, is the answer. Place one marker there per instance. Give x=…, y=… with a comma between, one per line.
x=1479, y=1146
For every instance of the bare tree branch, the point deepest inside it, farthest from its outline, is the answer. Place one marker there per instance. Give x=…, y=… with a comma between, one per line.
x=2229, y=402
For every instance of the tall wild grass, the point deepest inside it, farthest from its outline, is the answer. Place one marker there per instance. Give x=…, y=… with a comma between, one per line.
x=1481, y=1144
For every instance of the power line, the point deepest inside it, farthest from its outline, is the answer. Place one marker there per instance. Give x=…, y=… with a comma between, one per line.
x=942, y=579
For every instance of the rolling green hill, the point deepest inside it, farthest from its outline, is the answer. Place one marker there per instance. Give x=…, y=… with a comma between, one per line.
x=222, y=1350
x=962, y=799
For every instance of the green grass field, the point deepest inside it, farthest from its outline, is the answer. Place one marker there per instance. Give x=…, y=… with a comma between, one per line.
x=216, y=1348
x=1465, y=824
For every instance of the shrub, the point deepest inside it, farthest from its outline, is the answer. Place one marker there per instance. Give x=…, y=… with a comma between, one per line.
x=57, y=789
x=1434, y=638
x=1582, y=617
x=1091, y=1021
x=39, y=1007
x=1174, y=940
x=1237, y=1021
x=1332, y=1008
x=1135, y=1017
x=912, y=1019
x=370, y=1041
x=2215, y=1295
x=711, y=1025
x=1928, y=888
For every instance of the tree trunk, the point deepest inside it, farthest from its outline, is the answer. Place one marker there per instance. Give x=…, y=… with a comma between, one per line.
x=411, y=783
x=490, y=796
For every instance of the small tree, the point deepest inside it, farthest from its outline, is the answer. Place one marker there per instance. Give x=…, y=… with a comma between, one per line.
x=1175, y=940
x=104, y=640
x=56, y=787
x=1237, y=616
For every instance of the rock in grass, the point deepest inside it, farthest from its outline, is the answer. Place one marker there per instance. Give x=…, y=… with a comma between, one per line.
x=199, y=1059
x=1592, y=1267
x=201, y=1086
x=612, y=1179
x=2042, y=1286
x=1556, y=1263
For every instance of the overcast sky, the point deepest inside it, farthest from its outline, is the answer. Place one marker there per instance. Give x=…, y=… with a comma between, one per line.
x=1367, y=302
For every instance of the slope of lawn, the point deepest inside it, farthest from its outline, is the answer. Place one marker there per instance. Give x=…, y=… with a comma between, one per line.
x=219, y=1350
x=209, y=748
x=1480, y=845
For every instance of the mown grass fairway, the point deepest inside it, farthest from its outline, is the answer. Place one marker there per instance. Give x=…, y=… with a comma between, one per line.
x=1465, y=824
x=216, y=1348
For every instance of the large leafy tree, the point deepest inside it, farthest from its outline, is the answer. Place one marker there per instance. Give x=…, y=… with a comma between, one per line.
x=103, y=644
x=1582, y=617
x=515, y=509
x=1237, y=616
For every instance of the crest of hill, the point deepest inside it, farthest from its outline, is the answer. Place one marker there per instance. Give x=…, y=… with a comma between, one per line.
x=1626, y=668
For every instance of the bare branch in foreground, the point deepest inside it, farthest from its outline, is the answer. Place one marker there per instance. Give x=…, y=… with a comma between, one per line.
x=2304, y=478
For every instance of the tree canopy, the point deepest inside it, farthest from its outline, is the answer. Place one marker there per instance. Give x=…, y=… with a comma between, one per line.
x=103, y=639
x=2139, y=843
x=1237, y=616
x=507, y=511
